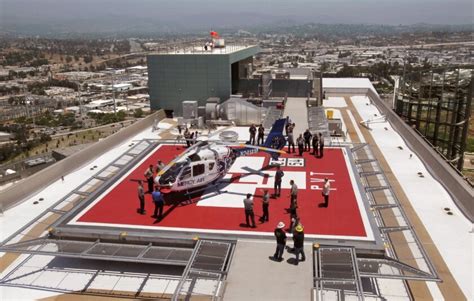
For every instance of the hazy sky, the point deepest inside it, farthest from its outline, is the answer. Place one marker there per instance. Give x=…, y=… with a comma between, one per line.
x=188, y=13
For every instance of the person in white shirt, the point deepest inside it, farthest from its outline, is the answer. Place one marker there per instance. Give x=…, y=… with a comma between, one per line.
x=248, y=206
x=326, y=188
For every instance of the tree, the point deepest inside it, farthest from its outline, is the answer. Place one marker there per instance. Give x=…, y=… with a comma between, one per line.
x=138, y=113
x=87, y=59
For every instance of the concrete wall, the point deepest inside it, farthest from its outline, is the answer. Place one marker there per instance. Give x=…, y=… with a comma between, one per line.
x=29, y=186
x=174, y=78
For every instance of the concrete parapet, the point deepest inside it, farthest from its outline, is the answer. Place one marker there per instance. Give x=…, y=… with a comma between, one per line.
x=27, y=187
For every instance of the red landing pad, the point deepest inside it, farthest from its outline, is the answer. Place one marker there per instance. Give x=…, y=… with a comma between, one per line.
x=344, y=218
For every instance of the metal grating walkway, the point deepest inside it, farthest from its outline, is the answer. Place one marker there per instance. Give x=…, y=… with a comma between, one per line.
x=337, y=273
x=209, y=264
x=99, y=250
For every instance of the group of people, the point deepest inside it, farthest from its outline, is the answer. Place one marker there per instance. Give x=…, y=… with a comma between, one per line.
x=154, y=190
x=298, y=242
x=189, y=136
x=253, y=130
x=305, y=141
x=296, y=228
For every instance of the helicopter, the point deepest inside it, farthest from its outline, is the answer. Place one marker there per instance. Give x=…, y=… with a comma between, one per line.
x=206, y=162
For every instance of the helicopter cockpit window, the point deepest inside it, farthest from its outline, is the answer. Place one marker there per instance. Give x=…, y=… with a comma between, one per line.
x=194, y=157
x=170, y=175
x=198, y=170
x=211, y=165
x=186, y=174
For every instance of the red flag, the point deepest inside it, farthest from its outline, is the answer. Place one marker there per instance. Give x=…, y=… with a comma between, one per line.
x=214, y=34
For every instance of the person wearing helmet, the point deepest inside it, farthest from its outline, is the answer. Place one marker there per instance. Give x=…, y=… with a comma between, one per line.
x=298, y=240
x=280, y=236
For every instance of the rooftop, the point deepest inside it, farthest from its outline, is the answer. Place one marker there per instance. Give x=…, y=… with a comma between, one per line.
x=417, y=227
x=228, y=49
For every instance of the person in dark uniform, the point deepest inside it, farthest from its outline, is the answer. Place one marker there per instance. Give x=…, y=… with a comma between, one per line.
x=261, y=135
x=265, y=205
x=321, y=145
x=315, y=145
x=291, y=139
x=293, y=193
x=278, y=176
x=298, y=240
x=141, y=197
x=149, y=178
x=300, y=142
x=307, y=140
x=187, y=137
x=159, y=203
x=280, y=236
x=253, y=132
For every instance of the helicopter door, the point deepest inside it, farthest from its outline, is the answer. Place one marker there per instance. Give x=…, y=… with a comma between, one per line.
x=199, y=172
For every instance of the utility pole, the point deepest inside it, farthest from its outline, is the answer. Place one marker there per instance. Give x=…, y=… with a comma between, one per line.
x=113, y=92
x=80, y=99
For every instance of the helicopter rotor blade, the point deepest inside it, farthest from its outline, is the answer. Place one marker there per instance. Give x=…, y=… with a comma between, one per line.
x=262, y=148
x=173, y=162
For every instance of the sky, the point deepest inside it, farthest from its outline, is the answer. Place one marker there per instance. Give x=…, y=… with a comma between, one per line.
x=228, y=13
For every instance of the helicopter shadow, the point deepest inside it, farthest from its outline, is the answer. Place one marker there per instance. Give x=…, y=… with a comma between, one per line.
x=220, y=186
x=193, y=196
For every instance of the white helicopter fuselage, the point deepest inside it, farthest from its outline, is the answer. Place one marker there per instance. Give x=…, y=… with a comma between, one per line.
x=200, y=167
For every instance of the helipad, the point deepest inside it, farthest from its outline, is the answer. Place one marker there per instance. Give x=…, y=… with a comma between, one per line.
x=219, y=210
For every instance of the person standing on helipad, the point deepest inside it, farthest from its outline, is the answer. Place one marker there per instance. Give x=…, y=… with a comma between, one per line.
x=326, y=189
x=307, y=140
x=265, y=205
x=293, y=193
x=291, y=139
x=253, y=133
x=159, y=203
x=248, y=206
x=278, y=176
x=141, y=197
x=149, y=178
x=261, y=135
x=280, y=236
x=300, y=142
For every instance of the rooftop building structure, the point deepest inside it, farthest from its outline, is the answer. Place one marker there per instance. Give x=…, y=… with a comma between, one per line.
x=196, y=74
